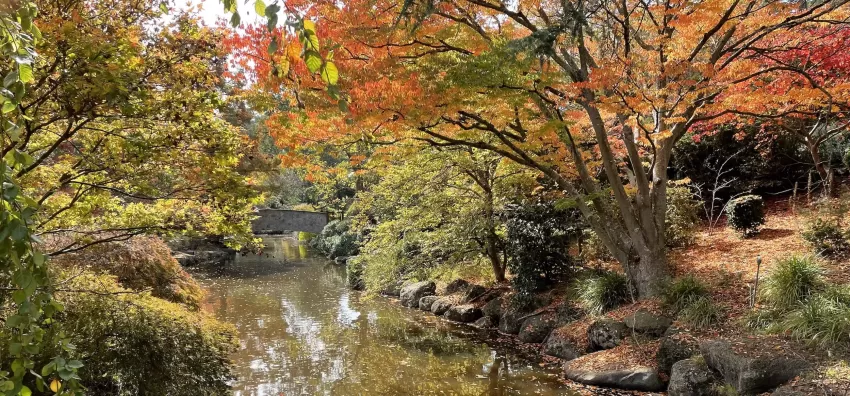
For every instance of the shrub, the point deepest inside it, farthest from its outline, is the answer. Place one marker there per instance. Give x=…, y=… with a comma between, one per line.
x=701, y=313
x=140, y=263
x=819, y=320
x=137, y=344
x=826, y=237
x=746, y=214
x=603, y=291
x=792, y=281
x=337, y=240
x=683, y=292
x=537, y=243
x=682, y=216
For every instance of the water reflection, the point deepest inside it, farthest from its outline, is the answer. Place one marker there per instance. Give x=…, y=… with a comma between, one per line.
x=302, y=332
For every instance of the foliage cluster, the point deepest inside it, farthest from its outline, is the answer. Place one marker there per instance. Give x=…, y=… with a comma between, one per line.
x=141, y=263
x=826, y=237
x=682, y=219
x=538, y=238
x=801, y=303
x=133, y=343
x=690, y=299
x=602, y=291
x=745, y=214
x=337, y=239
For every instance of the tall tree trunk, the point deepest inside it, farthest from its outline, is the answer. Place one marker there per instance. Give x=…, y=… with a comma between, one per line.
x=492, y=240
x=823, y=171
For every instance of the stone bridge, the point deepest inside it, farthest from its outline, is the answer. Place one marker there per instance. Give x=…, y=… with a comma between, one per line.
x=277, y=221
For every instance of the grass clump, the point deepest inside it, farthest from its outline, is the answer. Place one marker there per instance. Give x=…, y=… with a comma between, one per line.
x=701, y=313
x=683, y=292
x=793, y=281
x=821, y=320
x=603, y=291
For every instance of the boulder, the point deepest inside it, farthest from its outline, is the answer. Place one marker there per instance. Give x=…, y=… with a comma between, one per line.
x=472, y=292
x=691, y=377
x=606, y=334
x=674, y=346
x=485, y=322
x=341, y=260
x=411, y=293
x=751, y=373
x=638, y=378
x=456, y=285
x=645, y=322
x=559, y=346
x=441, y=305
x=493, y=308
x=392, y=290
x=535, y=328
x=463, y=313
x=513, y=313
x=426, y=302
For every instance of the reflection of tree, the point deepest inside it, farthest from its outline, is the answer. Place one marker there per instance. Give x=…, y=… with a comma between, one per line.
x=302, y=332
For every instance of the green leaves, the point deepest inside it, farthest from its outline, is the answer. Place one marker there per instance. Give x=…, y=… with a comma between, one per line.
x=330, y=74
x=25, y=72
x=313, y=60
x=235, y=19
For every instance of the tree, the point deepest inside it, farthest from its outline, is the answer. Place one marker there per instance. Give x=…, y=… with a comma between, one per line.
x=438, y=209
x=593, y=95
x=121, y=123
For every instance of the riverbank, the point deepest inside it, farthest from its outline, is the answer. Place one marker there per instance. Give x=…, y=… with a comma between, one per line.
x=717, y=348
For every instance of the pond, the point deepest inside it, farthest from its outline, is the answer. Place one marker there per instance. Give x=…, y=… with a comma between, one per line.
x=303, y=332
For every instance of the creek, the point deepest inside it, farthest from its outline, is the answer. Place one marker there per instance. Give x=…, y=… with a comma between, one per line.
x=303, y=332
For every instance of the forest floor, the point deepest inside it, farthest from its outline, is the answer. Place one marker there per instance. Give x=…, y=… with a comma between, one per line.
x=727, y=263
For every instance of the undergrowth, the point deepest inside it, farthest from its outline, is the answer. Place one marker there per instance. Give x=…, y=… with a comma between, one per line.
x=602, y=291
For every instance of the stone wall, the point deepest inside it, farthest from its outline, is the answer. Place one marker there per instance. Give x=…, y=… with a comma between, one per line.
x=276, y=221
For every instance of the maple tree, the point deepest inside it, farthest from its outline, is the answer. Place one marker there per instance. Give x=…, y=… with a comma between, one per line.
x=110, y=160
x=593, y=95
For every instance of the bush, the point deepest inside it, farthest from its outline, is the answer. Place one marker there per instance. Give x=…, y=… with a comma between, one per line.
x=683, y=292
x=701, y=313
x=140, y=263
x=135, y=344
x=682, y=217
x=538, y=239
x=826, y=238
x=337, y=240
x=792, y=281
x=603, y=291
x=746, y=214
x=820, y=320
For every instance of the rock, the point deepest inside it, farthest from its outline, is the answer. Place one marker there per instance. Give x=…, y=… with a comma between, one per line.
x=638, y=378
x=493, y=308
x=186, y=260
x=674, y=346
x=646, y=322
x=411, y=293
x=463, y=313
x=392, y=290
x=752, y=373
x=559, y=346
x=456, y=285
x=472, y=292
x=510, y=322
x=485, y=322
x=787, y=391
x=606, y=334
x=426, y=302
x=441, y=305
x=205, y=257
x=691, y=377
x=341, y=260
x=535, y=328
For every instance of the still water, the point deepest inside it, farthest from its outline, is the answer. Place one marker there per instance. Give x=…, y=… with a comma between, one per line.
x=302, y=332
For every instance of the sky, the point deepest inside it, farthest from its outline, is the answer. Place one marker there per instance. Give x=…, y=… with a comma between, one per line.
x=213, y=10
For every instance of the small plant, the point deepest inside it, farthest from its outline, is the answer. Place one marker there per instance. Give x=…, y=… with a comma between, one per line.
x=746, y=214
x=792, y=281
x=763, y=319
x=682, y=216
x=826, y=238
x=701, y=313
x=602, y=292
x=684, y=291
x=820, y=320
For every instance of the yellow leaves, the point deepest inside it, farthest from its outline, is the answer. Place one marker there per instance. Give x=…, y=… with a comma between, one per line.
x=55, y=385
